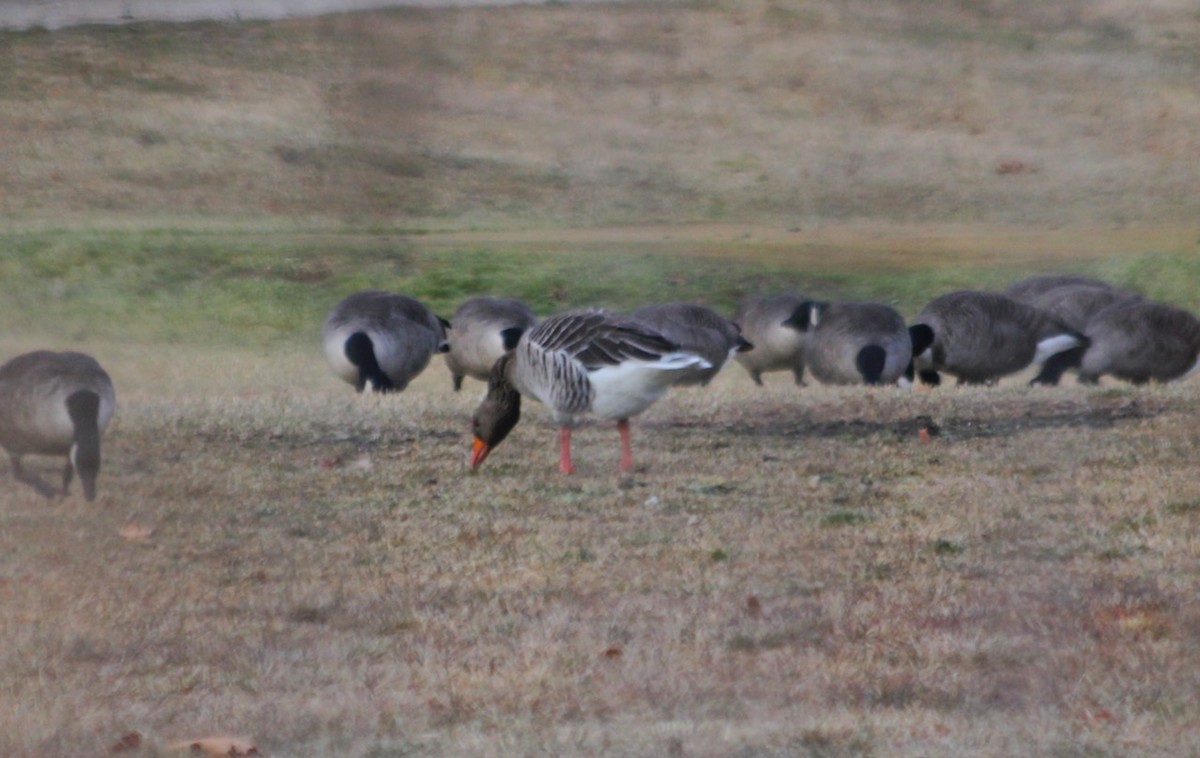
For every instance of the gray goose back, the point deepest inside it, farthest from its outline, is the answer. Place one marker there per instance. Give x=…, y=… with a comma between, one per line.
x=381, y=339
x=557, y=361
x=1031, y=288
x=483, y=329
x=1076, y=304
x=55, y=403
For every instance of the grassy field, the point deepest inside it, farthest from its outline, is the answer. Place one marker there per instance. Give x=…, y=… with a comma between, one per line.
x=788, y=572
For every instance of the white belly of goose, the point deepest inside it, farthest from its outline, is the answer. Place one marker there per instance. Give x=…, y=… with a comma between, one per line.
x=54, y=424
x=629, y=388
x=335, y=352
x=1195, y=369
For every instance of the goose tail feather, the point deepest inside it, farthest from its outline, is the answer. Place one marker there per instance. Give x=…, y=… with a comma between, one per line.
x=679, y=361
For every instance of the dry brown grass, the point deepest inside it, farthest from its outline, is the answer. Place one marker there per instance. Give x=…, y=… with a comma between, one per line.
x=790, y=572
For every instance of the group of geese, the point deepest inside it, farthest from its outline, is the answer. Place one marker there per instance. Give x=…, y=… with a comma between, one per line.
x=616, y=365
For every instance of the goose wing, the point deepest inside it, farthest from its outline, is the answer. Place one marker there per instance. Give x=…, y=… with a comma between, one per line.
x=597, y=338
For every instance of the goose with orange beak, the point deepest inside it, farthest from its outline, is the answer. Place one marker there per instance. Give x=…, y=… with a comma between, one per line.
x=575, y=363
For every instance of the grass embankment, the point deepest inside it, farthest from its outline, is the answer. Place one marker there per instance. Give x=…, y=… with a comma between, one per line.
x=258, y=289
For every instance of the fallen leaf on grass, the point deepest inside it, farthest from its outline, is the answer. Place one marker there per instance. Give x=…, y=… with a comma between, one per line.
x=754, y=607
x=134, y=532
x=229, y=746
x=1009, y=166
x=926, y=429
x=1139, y=621
x=1097, y=716
x=131, y=741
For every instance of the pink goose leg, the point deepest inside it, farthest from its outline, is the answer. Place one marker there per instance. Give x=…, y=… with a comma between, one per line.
x=564, y=459
x=626, y=447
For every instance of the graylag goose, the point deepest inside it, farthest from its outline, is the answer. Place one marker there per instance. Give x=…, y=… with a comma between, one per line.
x=1135, y=340
x=696, y=329
x=853, y=343
x=586, y=361
x=483, y=329
x=983, y=336
x=55, y=404
x=381, y=340
x=776, y=347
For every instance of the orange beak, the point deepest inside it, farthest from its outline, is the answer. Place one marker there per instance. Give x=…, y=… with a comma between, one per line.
x=479, y=453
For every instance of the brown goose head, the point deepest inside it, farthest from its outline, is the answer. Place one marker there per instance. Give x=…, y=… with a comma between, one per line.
x=497, y=414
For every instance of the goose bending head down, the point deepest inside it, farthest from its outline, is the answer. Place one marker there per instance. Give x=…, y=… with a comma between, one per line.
x=55, y=404
x=777, y=346
x=1138, y=341
x=853, y=343
x=981, y=337
x=382, y=340
x=589, y=361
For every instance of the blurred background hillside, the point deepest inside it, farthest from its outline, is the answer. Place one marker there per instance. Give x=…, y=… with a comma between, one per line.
x=1079, y=113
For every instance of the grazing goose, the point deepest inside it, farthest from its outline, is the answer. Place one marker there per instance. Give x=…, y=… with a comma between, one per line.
x=1135, y=340
x=853, y=343
x=483, y=329
x=55, y=404
x=776, y=347
x=574, y=363
x=1074, y=305
x=381, y=340
x=1030, y=289
x=695, y=329
x=982, y=336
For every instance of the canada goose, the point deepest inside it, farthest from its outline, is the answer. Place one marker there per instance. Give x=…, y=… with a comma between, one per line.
x=695, y=329
x=483, y=329
x=982, y=336
x=776, y=347
x=853, y=343
x=55, y=404
x=1031, y=288
x=381, y=340
x=1135, y=340
x=574, y=363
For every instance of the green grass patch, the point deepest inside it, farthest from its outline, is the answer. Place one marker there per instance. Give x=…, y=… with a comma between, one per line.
x=253, y=288
x=844, y=518
x=946, y=547
x=1184, y=508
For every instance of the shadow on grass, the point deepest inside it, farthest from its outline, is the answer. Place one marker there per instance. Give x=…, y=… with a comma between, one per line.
x=950, y=427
